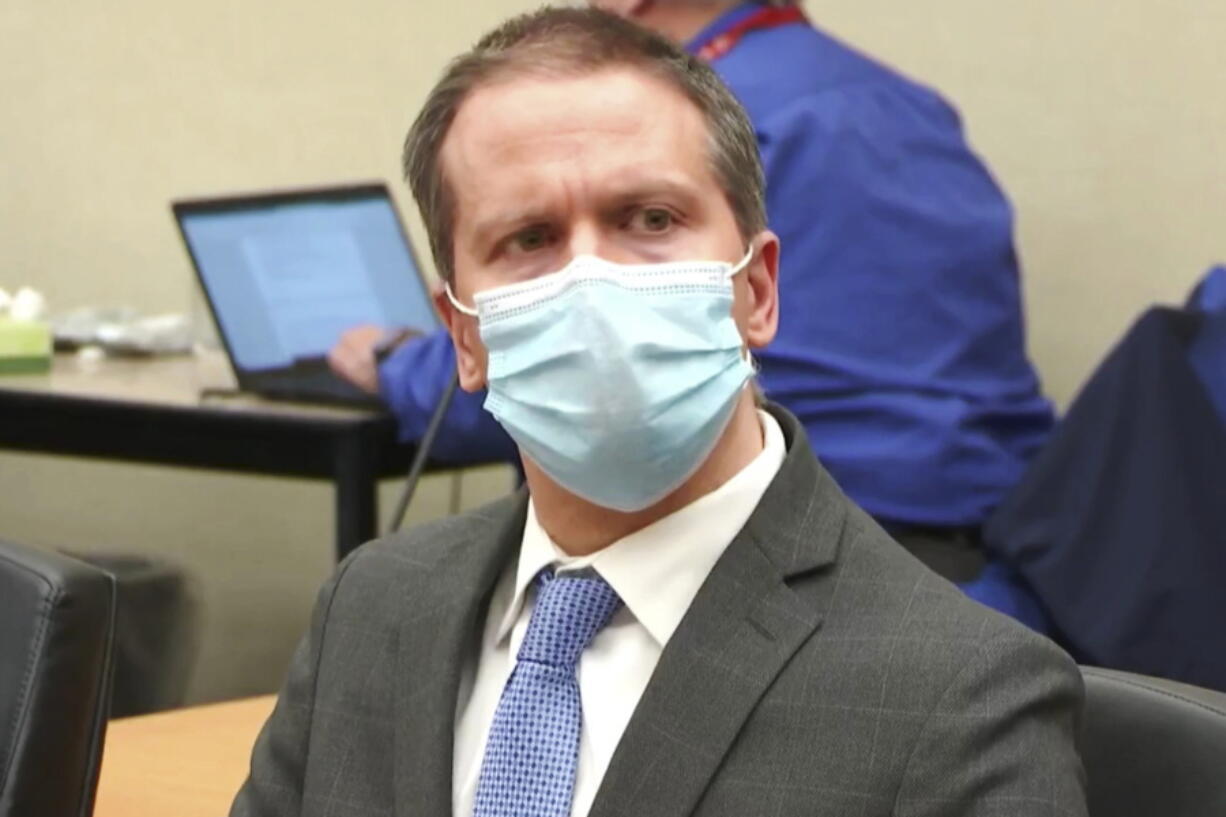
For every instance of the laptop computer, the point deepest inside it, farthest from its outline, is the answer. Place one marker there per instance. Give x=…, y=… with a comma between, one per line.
x=287, y=272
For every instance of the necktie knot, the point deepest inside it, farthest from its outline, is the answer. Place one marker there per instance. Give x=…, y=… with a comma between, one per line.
x=570, y=609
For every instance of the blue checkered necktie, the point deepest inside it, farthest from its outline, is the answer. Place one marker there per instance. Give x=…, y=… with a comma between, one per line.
x=533, y=746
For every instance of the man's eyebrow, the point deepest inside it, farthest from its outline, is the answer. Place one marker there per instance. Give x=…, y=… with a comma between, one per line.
x=619, y=191
x=489, y=227
x=641, y=187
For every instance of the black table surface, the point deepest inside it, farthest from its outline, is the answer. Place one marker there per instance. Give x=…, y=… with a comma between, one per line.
x=153, y=411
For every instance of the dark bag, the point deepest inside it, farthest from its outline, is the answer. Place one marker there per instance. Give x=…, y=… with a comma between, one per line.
x=1119, y=524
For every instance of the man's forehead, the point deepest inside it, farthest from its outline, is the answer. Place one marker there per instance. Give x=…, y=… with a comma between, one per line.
x=539, y=118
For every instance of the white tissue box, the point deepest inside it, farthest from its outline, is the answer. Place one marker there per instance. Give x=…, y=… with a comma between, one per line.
x=25, y=346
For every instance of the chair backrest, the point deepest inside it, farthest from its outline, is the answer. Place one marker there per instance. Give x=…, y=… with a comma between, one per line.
x=1153, y=747
x=57, y=625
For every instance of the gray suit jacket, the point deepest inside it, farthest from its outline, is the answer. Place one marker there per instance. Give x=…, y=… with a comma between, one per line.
x=821, y=670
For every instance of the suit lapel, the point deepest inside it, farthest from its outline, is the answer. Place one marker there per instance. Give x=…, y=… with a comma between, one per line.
x=444, y=611
x=741, y=630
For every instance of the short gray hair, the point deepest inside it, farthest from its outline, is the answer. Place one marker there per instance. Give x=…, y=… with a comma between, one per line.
x=563, y=42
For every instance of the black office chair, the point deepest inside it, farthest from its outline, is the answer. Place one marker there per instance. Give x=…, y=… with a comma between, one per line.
x=57, y=625
x=1153, y=747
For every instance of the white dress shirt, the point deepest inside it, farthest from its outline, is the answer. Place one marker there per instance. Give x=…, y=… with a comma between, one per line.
x=656, y=571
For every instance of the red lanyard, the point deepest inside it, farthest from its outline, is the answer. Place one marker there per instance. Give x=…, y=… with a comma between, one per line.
x=771, y=17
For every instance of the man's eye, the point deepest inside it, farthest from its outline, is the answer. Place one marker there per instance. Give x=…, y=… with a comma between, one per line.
x=533, y=238
x=653, y=219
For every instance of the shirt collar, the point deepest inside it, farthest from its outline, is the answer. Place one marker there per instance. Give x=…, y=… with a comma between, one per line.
x=659, y=569
x=721, y=24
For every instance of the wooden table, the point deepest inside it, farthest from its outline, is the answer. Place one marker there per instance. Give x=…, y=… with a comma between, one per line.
x=187, y=762
x=152, y=411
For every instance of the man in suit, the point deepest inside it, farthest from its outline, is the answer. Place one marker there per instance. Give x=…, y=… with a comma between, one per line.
x=682, y=614
x=902, y=349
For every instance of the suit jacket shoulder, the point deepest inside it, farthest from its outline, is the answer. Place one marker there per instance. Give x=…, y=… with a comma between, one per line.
x=387, y=638
x=822, y=670
x=970, y=711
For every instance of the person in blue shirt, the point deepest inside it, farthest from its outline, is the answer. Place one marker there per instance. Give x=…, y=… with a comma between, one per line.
x=901, y=344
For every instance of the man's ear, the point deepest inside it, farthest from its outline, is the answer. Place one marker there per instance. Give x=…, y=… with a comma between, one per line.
x=470, y=354
x=762, y=279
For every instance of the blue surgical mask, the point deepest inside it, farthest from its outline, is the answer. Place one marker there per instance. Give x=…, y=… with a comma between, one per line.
x=616, y=379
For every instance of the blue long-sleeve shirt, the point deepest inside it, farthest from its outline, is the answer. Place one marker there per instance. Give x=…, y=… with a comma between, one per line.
x=1207, y=352
x=901, y=341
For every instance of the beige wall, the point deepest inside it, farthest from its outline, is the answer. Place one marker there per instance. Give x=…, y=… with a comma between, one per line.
x=115, y=108
x=1105, y=121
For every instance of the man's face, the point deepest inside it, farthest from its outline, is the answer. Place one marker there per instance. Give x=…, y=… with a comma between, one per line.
x=614, y=164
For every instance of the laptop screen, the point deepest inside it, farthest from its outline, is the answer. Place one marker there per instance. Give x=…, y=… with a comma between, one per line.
x=287, y=273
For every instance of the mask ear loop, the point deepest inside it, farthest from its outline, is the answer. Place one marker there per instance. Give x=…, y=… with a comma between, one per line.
x=743, y=263
x=746, y=355
x=461, y=308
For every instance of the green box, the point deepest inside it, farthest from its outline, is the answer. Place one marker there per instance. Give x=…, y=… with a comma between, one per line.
x=25, y=347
